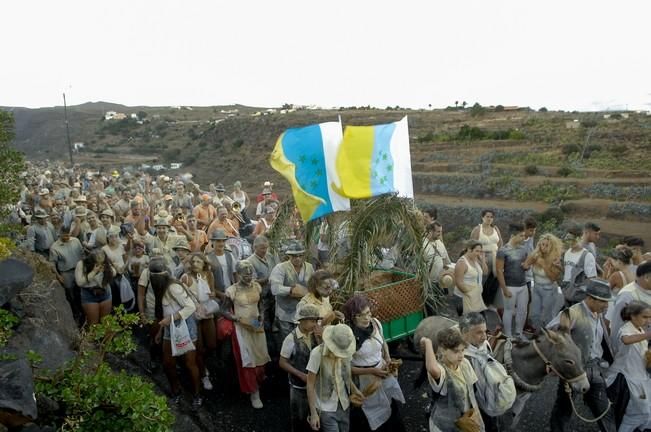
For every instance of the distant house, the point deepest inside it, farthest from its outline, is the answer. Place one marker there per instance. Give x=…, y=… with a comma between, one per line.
x=77, y=146
x=175, y=165
x=158, y=167
x=109, y=115
x=119, y=116
x=575, y=124
x=134, y=116
x=145, y=166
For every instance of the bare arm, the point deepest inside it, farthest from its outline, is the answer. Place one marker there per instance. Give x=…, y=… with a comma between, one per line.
x=432, y=366
x=499, y=268
x=459, y=272
x=287, y=367
x=632, y=339
x=311, y=400
x=474, y=234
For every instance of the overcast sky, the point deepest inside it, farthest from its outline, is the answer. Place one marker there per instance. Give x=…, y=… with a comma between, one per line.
x=583, y=55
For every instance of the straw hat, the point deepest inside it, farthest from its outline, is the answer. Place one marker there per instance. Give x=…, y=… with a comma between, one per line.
x=161, y=221
x=44, y=191
x=339, y=339
x=80, y=211
x=446, y=278
x=80, y=198
x=107, y=212
x=182, y=243
x=306, y=311
x=295, y=248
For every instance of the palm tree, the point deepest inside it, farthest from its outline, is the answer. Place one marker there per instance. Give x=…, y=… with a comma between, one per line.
x=464, y=103
x=456, y=104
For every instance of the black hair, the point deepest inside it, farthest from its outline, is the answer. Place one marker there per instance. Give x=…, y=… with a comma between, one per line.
x=515, y=228
x=432, y=227
x=632, y=309
x=623, y=254
x=643, y=269
x=631, y=241
x=530, y=222
x=591, y=226
x=432, y=212
x=486, y=211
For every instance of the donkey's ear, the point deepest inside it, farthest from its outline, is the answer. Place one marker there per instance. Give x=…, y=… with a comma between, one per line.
x=552, y=336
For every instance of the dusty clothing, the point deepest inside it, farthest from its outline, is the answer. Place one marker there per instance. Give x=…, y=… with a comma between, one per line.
x=377, y=407
x=333, y=381
x=230, y=227
x=199, y=239
x=165, y=246
x=116, y=256
x=283, y=277
x=66, y=255
x=253, y=344
x=40, y=237
x=453, y=396
x=323, y=303
x=223, y=268
x=296, y=349
x=626, y=295
x=437, y=256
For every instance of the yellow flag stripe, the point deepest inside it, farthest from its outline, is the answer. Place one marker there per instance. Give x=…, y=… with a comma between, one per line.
x=354, y=162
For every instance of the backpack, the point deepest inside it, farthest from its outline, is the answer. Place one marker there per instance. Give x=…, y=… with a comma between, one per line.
x=574, y=290
x=495, y=389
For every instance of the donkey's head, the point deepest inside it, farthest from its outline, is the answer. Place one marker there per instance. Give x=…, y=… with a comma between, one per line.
x=565, y=357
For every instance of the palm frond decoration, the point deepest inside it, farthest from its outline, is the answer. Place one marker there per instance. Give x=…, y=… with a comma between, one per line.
x=283, y=227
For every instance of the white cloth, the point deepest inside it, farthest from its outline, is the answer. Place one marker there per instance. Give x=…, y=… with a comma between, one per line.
x=630, y=362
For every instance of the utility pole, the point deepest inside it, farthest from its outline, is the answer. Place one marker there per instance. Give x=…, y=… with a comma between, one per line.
x=65, y=113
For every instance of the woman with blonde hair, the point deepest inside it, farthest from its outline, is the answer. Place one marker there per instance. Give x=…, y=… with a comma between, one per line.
x=545, y=261
x=201, y=287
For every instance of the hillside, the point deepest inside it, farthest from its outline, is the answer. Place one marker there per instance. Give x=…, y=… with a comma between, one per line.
x=515, y=161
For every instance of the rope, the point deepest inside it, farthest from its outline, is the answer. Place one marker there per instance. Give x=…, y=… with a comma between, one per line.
x=568, y=390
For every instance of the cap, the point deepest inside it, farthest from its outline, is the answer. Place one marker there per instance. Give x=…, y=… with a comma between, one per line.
x=218, y=234
x=220, y=188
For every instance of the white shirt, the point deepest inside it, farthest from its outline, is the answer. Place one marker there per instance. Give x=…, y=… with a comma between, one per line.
x=589, y=264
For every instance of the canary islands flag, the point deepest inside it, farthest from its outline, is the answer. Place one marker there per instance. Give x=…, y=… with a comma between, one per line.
x=374, y=160
x=306, y=158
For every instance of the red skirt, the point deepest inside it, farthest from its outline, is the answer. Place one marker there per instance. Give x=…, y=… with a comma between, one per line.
x=249, y=378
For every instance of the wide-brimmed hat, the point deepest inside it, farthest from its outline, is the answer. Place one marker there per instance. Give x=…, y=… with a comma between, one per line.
x=115, y=173
x=44, y=191
x=295, y=248
x=220, y=188
x=81, y=211
x=80, y=198
x=339, y=339
x=267, y=184
x=107, y=212
x=266, y=191
x=446, y=278
x=307, y=311
x=161, y=221
x=218, y=234
x=182, y=243
x=113, y=231
x=40, y=214
x=599, y=289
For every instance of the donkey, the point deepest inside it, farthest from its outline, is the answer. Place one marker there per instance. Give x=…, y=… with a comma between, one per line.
x=528, y=363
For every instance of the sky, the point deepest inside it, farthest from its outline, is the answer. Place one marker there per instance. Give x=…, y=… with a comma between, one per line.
x=570, y=55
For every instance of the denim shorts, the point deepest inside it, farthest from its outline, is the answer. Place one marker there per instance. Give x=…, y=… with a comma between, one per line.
x=88, y=295
x=192, y=328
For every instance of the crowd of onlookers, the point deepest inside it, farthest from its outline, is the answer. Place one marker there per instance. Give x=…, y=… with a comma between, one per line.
x=196, y=264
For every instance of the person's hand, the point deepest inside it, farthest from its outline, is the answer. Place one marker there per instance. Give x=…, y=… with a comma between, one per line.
x=424, y=342
x=318, y=331
x=379, y=372
x=60, y=278
x=314, y=421
x=507, y=293
x=303, y=377
x=165, y=321
x=340, y=316
x=298, y=291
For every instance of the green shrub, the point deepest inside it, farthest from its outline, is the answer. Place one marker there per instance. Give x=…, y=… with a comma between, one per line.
x=569, y=149
x=531, y=169
x=93, y=397
x=618, y=149
x=516, y=134
x=428, y=137
x=477, y=110
x=542, y=110
x=499, y=108
x=564, y=171
x=467, y=133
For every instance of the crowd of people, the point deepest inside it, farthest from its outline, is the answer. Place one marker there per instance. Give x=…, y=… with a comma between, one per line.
x=196, y=265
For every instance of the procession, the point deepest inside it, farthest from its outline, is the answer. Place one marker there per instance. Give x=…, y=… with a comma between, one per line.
x=203, y=267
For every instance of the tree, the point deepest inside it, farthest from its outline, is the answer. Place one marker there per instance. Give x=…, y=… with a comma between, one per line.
x=477, y=110
x=499, y=108
x=12, y=163
x=141, y=115
x=463, y=104
x=456, y=104
x=543, y=109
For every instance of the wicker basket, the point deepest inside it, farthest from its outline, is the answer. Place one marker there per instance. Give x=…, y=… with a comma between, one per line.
x=399, y=298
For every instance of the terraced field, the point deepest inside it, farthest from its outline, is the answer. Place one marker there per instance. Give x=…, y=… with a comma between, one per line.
x=567, y=166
